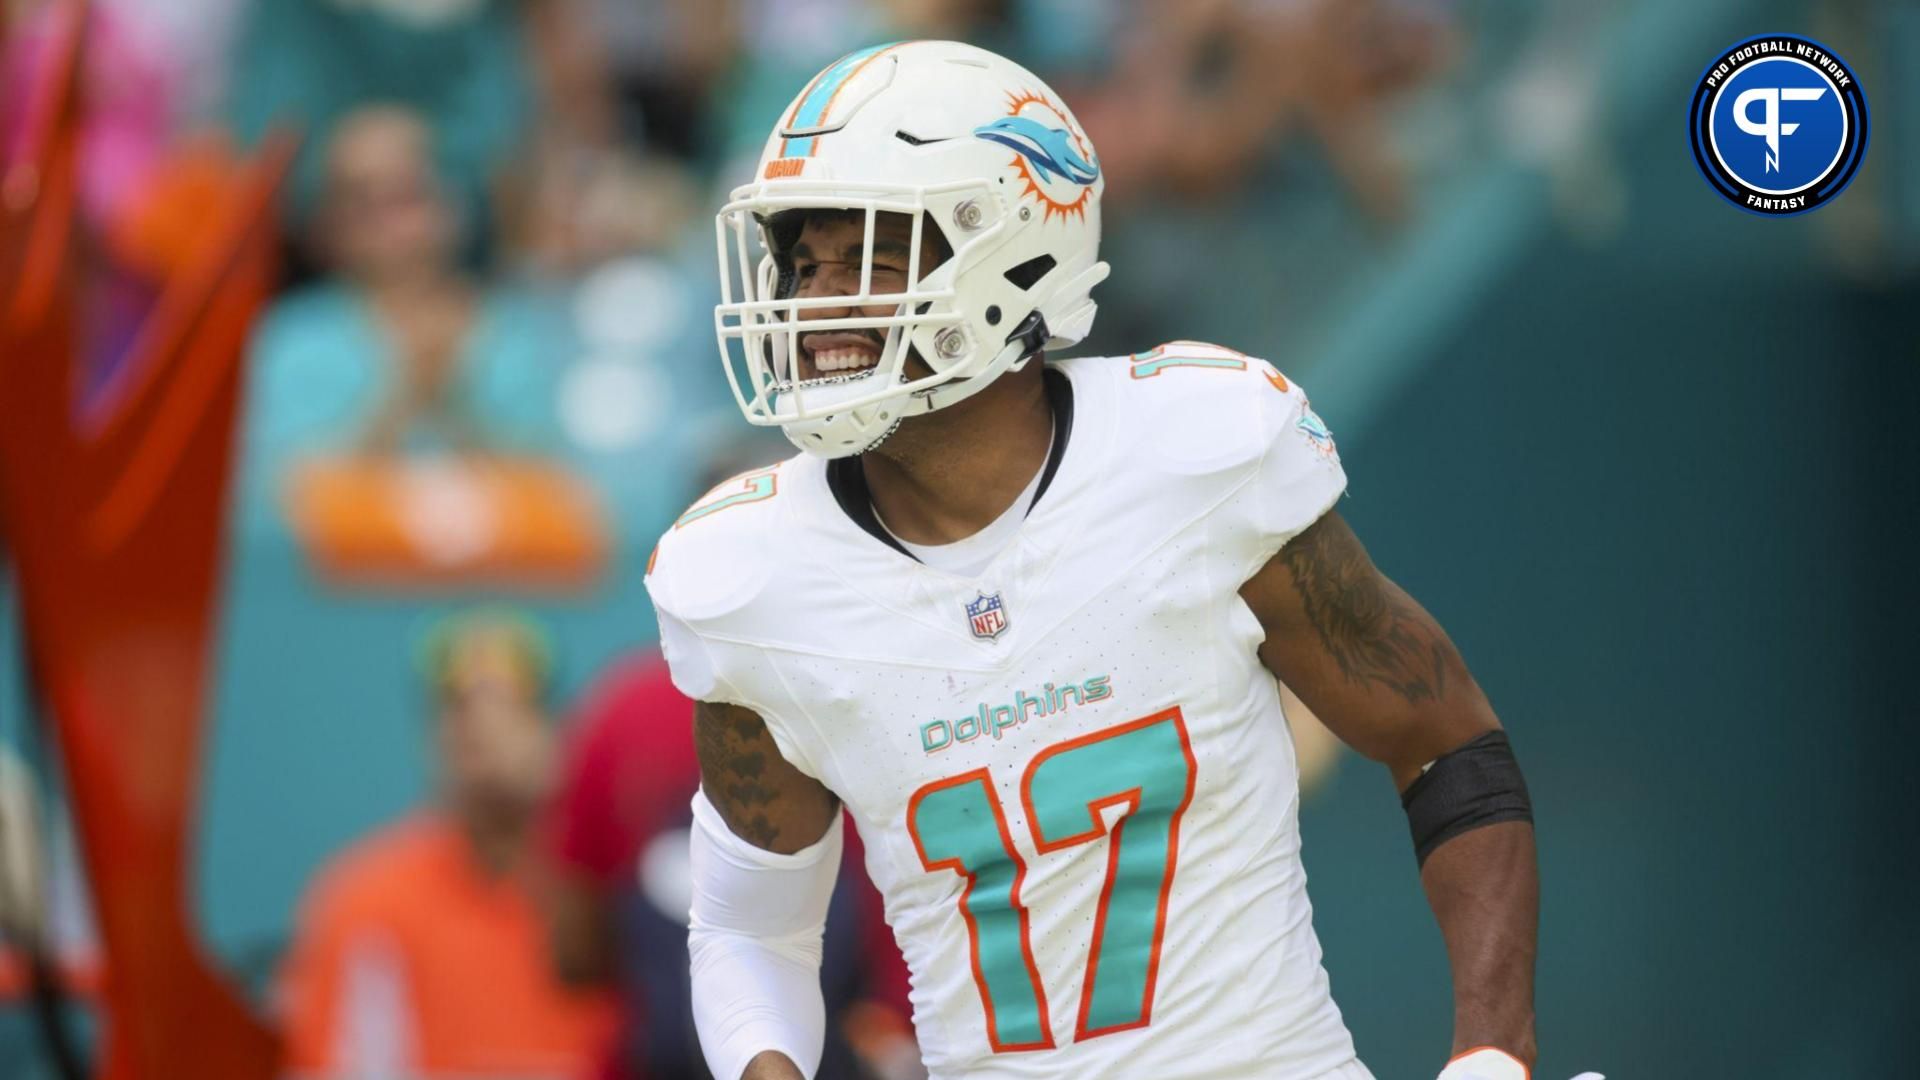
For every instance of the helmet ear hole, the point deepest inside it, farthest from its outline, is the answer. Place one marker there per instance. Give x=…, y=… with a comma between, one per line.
x=1028, y=274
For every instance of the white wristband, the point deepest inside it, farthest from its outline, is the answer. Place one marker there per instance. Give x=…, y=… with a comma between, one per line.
x=1484, y=1063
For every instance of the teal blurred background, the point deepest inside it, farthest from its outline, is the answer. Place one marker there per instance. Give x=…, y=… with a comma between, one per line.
x=1648, y=458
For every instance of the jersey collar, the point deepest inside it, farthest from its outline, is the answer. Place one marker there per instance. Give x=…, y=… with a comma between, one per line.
x=848, y=481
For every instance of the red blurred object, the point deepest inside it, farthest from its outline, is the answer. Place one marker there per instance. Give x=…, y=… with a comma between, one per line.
x=113, y=515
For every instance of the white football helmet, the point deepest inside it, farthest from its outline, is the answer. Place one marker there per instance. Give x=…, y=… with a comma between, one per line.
x=947, y=134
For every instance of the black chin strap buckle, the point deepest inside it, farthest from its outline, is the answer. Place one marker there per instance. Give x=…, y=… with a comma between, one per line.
x=1031, y=334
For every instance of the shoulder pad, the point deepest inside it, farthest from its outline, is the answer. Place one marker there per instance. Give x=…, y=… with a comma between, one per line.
x=718, y=555
x=1204, y=409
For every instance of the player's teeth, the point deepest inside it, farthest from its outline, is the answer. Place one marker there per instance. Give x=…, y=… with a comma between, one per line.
x=842, y=360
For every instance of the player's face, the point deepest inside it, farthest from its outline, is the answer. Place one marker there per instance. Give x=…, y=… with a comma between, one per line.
x=826, y=262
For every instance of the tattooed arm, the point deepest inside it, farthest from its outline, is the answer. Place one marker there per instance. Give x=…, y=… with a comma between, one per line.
x=760, y=900
x=1383, y=676
x=1367, y=659
x=764, y=799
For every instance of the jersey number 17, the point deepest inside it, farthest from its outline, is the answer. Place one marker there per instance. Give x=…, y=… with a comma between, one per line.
x=957, y=824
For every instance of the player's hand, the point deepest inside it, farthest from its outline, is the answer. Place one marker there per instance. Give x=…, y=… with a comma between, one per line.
x=772, y=1065
x=1486, y=1063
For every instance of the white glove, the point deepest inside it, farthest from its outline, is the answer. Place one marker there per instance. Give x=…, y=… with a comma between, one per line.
x=1487, y=1063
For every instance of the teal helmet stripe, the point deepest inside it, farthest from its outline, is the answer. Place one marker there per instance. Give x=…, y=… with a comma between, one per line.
x=813, y=107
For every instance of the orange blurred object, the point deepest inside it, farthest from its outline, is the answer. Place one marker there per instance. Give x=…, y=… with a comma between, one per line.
x=451, y=521
x=412, y=959
x=163, y=227
x=113, y=515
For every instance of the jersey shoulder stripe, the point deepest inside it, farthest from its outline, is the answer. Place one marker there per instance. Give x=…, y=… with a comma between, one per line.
x=1195, y=408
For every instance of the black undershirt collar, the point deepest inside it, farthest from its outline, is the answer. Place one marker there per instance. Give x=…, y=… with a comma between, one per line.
x=848, y=481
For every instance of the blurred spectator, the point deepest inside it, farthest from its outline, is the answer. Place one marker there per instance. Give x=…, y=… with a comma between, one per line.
x=572, y=207
x=400, y=349
x=579, y=193
x=420, y=951
x=1197, y=92
x=663, y=60
x=977, y=22
x=1352, y=61
x=569, y=62
x=618, y=833
x=461, y=64
x=406, y=415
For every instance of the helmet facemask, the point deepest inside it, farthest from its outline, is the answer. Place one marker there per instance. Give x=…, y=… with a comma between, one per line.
x=957, y=140
x=761, y=318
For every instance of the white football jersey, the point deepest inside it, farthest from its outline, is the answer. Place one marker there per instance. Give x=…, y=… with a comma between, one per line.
x=1071, y=772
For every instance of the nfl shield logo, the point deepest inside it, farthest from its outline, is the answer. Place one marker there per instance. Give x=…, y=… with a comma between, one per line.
x=987, y=616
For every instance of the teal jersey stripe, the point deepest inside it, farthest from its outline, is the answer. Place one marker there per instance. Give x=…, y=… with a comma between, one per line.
x=813, y=107
x=758, y=487
x=1144, y=368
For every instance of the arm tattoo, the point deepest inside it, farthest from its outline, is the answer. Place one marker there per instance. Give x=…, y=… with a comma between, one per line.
x=734, y=750
x=1375, y=632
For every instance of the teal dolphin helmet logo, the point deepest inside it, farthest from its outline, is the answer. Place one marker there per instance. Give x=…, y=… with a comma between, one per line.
x=1050, y=149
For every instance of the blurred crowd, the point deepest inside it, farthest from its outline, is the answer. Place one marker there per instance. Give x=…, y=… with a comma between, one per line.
x=487, y=382
x=496, y=226
x=489, y=369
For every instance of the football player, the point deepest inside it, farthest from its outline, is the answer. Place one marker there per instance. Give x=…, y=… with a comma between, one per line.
x=1026, y=618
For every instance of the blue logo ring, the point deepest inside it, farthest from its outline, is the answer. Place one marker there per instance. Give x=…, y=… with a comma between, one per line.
x=1778, y=125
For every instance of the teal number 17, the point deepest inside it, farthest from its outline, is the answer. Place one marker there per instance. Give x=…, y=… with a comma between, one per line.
x=1145, y=766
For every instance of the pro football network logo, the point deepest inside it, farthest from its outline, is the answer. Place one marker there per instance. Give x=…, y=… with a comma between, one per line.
x=1778, y=124
x=987, y=616
x=1054, y=160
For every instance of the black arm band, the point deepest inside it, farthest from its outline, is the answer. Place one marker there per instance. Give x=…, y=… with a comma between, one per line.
x=1478, y=784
